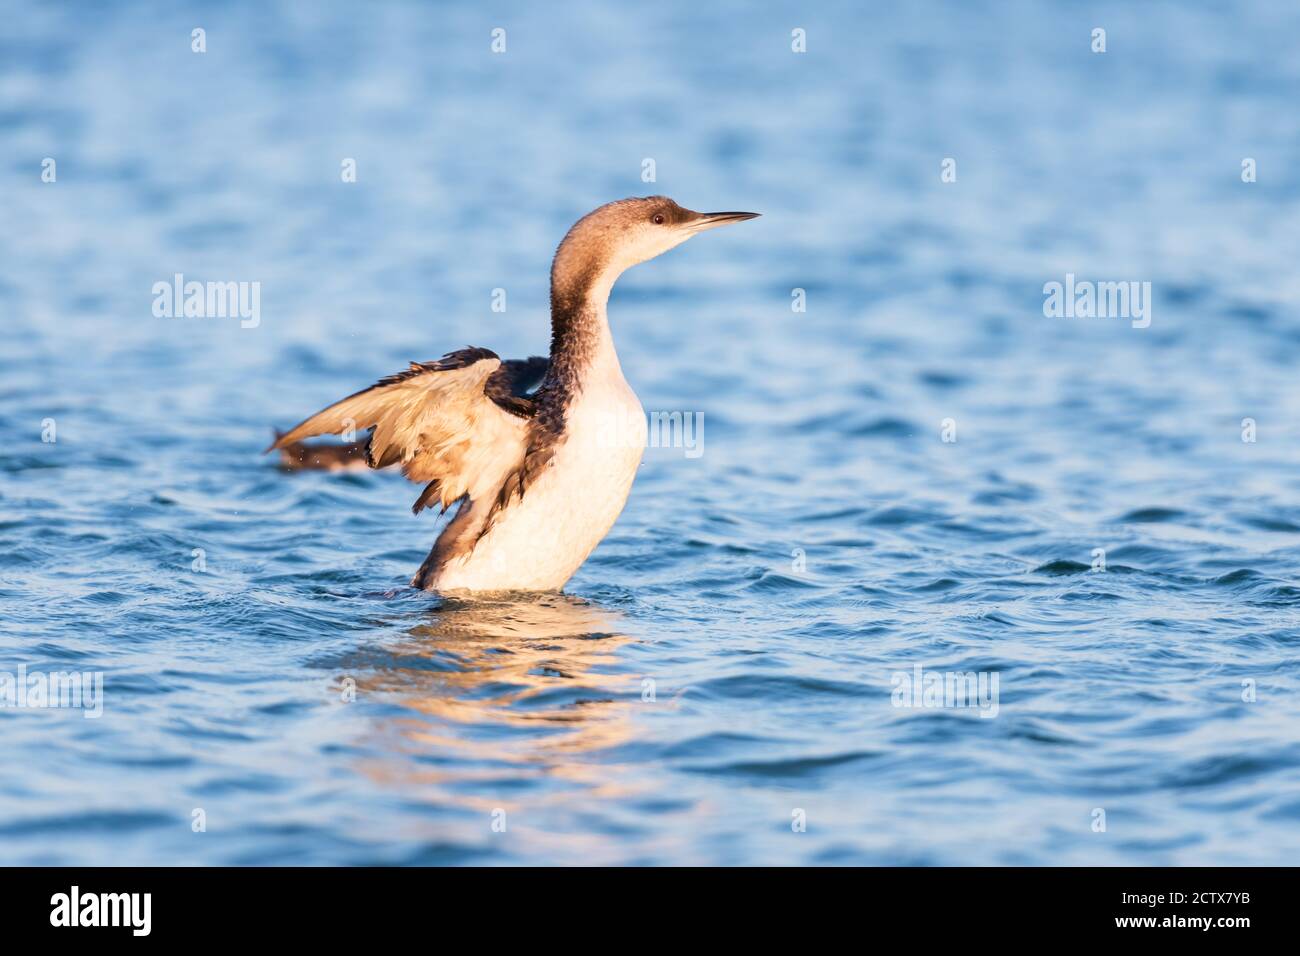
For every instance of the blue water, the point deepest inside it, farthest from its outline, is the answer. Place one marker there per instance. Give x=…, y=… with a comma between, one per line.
x=315, y=710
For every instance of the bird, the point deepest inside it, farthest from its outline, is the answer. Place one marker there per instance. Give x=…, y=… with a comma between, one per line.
x=538, y=455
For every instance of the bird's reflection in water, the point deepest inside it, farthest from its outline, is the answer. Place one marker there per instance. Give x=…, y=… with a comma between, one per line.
x=503, y=691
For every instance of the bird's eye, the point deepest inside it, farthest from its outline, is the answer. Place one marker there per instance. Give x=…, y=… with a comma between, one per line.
x=657, y=219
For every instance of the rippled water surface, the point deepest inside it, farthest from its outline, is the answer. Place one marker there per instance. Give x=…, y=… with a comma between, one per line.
x=727, y=656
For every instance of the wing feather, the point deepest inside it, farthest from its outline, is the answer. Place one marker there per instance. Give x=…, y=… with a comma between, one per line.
x=439, y=420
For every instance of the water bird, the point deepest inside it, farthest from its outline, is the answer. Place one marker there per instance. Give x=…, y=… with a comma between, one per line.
x=537, y=454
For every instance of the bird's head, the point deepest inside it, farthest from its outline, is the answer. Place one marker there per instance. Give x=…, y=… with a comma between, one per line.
x=621, y=234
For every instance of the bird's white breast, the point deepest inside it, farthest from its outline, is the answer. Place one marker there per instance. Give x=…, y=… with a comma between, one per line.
x=538, y=542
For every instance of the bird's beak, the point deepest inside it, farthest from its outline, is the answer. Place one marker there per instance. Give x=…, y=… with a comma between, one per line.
x=711, y=220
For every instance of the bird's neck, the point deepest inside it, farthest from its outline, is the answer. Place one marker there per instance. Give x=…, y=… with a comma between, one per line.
x=582, y=347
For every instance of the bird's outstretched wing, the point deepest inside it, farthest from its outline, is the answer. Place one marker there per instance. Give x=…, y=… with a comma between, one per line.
x=461, y=424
